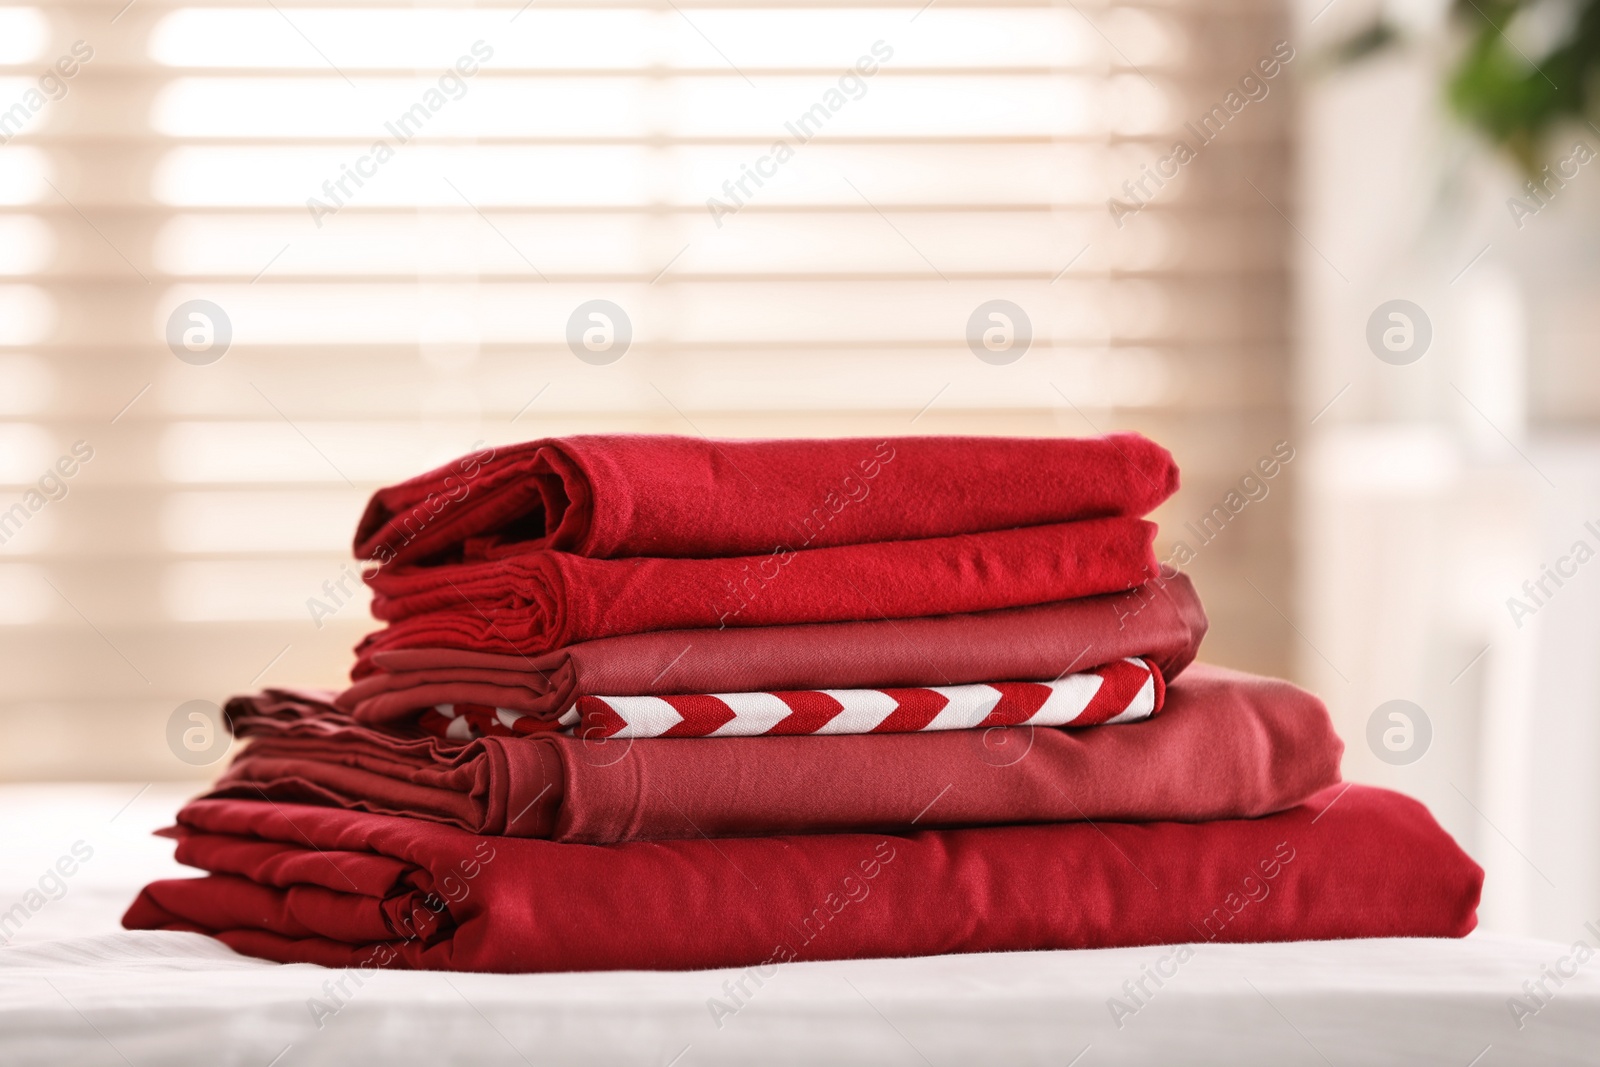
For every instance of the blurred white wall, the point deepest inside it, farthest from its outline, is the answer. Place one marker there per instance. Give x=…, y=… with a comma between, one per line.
x=1440, y=484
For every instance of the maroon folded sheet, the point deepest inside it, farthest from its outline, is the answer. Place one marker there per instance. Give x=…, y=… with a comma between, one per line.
x=1226, y=745
x=635, y=495
x=1161, y=620
x=541, y=601
x=341, y=888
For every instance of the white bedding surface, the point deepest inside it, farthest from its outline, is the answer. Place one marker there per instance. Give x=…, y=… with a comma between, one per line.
x=75, y=989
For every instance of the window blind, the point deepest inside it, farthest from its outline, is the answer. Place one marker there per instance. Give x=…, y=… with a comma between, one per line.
x=398, y=226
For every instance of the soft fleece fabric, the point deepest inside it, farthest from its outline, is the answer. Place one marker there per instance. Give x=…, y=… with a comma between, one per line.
x=339, y=888
x=1161, y=620
x=540, y=601
x=638, y=495
x=1226, y=745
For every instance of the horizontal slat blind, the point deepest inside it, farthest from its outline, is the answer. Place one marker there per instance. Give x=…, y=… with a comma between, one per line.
x=420, y=301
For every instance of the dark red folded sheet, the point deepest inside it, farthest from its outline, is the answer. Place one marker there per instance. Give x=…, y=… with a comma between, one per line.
x=636, y=495
x=1161, y=620
x=340, y=888
x=1226, y=745
x=540, y=601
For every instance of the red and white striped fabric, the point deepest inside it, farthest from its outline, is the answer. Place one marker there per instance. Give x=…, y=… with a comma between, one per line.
x=464, y=722
x=1124, y=691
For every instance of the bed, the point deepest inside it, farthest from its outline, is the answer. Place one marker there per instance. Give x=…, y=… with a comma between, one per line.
x=77, y=989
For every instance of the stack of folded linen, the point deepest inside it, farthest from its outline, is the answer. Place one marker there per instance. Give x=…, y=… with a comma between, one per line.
x=658, y=702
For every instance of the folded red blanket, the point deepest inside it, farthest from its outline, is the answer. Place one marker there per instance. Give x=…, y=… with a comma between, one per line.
x=1161, y=620
x=1226, y=745
x=1125, y=691
x=541, y=601
x=340, y=888
x=633, y=495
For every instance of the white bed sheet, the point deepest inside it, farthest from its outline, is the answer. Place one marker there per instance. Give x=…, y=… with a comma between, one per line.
x=75, y=989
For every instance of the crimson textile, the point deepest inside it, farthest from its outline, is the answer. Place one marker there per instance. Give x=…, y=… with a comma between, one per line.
x=1161, y=620
x=341, y=888
x=540, y=601
x=1226, y=745
x=640, y=495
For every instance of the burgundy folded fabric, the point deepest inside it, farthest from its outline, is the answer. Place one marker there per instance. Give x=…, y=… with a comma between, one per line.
x=1161, y=620
x=635, y=495
x=1226, y=745
x=1127, y=690
x=541, y=601
x=339, y=888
